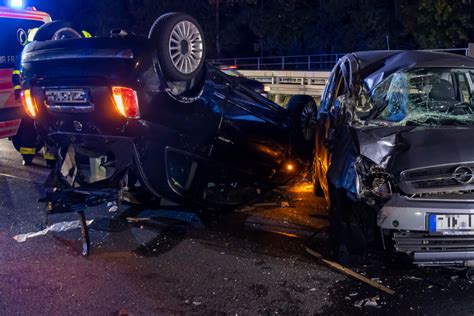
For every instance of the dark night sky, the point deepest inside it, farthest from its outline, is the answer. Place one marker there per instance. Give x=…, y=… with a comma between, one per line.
x=276, y=27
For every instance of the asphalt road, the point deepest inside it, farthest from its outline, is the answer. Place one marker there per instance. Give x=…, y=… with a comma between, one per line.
x=244, y=263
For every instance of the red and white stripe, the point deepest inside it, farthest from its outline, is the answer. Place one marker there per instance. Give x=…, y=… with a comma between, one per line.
x=9, y=128
x=6, y=79
x=7, y=96
x=9, y=13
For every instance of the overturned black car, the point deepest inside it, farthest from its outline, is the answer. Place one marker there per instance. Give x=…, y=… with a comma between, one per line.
x=148, y=114
x=395, y=155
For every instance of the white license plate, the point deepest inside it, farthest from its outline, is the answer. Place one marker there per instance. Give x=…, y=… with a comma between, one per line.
x=61, y=96
x=451, y=224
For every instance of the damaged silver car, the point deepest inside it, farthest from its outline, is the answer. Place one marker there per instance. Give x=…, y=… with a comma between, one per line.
x=395, y=155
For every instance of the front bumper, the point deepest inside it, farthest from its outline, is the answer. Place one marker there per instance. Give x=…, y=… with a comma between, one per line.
x=407, y=218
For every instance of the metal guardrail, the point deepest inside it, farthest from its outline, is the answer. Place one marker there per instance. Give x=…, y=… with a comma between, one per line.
x=298, y=62
x=287, y=82
x=301, y=62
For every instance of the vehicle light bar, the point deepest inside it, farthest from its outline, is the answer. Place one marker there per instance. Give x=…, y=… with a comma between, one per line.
x=126, y=102
x=29, y=103
x=17, y=4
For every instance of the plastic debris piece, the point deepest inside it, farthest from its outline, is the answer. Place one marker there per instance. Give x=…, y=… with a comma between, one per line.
x=410, y=277
x=285, y=204
x=57, y=227
x=368, y=302
x=137, y=219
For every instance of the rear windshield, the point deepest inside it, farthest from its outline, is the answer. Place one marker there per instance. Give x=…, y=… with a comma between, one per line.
x=12, y=33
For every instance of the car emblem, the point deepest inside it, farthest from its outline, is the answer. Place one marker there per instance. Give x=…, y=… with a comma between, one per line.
x=463, y=175
x=22, y=36
x=77, y=126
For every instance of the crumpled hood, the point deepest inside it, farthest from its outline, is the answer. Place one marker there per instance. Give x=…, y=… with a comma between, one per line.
x=402, y=148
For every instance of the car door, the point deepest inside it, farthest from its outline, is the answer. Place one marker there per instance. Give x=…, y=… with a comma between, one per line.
x=327, y=124
x=14, y=27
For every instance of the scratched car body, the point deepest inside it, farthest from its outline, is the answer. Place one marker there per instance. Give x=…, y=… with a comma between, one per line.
x=394, y=155
x=175, y=128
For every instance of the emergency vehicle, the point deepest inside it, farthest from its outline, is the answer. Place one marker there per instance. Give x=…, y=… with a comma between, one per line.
x=15, y=25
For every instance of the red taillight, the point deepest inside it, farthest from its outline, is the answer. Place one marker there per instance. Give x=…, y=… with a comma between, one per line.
x=126, y=102
x=29, y=103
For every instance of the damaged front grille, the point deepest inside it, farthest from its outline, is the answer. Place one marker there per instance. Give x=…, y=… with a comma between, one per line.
x=438, y=179
x=420, y=242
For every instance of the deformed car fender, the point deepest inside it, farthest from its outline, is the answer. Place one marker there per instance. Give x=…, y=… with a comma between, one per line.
x=341, y=172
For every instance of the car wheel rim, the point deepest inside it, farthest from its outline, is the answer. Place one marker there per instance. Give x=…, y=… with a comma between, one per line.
x=186, y=47
x=65, y=33
x=308, y=121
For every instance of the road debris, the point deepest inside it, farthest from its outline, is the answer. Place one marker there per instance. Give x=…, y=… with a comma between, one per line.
x=266, y=204
x=285, y=204
x=58, y=227
x=137, y=219
x=336, y=266
x=368, y=302
x=112, y=207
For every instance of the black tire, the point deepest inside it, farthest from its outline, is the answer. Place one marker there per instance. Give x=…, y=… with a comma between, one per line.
x=352, y=227
x=27, y=136
x=161, y=34
x=59, y=29
x=303, y=110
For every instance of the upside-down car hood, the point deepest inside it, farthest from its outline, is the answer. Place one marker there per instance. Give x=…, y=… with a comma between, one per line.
x=403, y=148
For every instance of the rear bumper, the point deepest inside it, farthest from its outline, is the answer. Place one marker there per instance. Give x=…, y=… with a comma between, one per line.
x=163, y=170
x=123, y=148
x=407, y=220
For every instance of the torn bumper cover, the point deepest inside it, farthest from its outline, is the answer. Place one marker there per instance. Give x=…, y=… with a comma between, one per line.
x=414, y=232
x=127, y=155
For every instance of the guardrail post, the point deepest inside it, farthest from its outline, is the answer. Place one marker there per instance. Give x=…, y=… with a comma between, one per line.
x=283, y=63
x=309, y=62
x=258, y=63
x=470, y=50
x=235, y=62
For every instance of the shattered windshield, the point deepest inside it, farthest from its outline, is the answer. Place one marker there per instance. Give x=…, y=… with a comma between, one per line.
x=422, y=96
